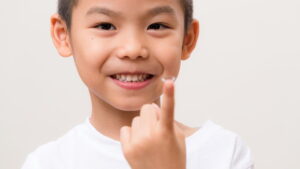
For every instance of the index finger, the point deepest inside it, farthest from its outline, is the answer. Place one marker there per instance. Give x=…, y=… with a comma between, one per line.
x=167, y=107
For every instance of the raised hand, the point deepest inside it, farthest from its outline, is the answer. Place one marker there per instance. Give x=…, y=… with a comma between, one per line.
x=154, y=141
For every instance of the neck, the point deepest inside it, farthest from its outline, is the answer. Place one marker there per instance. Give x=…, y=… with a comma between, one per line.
x=108, y=120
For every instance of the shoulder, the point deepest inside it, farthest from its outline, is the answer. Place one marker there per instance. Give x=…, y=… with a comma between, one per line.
x=220, y=144
x=240, y=153
x=52, y=152
x=67, y=139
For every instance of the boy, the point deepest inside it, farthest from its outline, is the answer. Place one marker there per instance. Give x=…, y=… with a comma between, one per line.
x=128, y=53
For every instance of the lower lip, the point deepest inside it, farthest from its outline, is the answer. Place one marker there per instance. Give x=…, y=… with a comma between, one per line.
x=132, y=85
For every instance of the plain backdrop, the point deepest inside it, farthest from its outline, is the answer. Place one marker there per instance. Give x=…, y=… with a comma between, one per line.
x=243, y=75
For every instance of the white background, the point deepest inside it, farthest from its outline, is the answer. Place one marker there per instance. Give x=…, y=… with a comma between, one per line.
x=244, y=75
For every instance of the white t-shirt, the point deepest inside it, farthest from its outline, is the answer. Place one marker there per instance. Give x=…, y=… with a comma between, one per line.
x=83, y=147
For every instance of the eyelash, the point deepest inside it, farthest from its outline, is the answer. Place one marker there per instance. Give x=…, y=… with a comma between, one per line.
x=111, y=26
x=105, y=24
x=160, y=24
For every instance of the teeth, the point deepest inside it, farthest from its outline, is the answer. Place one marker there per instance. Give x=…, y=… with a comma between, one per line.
x=128, y=78
x=123, y=77
x=132, y=78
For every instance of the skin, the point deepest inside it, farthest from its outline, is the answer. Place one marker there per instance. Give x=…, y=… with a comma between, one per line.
x=131, y=39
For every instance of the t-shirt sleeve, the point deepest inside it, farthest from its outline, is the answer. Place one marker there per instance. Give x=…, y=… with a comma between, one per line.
x=30, y=162
x=242, y=157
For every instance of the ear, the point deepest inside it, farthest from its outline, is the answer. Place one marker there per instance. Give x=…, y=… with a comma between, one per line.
x=60, y=36
x=190, y=39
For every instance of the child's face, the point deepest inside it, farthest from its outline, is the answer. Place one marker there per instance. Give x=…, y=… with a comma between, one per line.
x=110, y=37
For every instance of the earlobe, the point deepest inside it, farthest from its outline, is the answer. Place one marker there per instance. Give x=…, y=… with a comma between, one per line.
x=190, y=39
x=60, y=36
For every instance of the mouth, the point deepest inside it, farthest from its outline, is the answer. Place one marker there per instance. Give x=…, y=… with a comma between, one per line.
x=132, y=80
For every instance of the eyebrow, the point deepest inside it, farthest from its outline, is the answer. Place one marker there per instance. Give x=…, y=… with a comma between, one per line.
x=101, y=10
x=160, y=10
x=152, y=12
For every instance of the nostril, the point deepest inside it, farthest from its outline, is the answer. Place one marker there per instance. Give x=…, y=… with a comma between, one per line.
x=132, y=52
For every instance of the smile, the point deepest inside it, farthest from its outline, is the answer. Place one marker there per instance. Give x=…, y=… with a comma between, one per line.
x=132, y=81
x=132, y=77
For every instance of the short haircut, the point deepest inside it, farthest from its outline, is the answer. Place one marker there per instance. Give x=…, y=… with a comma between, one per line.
x=65, y=8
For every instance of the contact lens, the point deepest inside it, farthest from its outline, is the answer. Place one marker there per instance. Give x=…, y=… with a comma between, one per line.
x=164, y=79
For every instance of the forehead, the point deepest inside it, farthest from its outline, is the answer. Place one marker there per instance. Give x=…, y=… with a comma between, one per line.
x=134, y=7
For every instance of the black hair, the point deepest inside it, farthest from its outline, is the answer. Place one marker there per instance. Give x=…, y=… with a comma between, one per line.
x=65, y=8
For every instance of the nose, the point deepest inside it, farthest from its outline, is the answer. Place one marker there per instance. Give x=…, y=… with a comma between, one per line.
x=132, y=46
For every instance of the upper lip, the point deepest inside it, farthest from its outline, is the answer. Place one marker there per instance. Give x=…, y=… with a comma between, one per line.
x=132, y=72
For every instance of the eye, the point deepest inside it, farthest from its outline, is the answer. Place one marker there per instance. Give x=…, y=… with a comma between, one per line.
x=105, y=26
x=157, y=26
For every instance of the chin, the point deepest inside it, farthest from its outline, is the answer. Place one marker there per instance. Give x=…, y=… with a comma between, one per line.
x=131, y=104
x=129, y=109
x=128, y=103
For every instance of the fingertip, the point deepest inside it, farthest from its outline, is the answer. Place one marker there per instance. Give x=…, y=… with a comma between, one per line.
x=169, y=83
x=169, y=87
x=164, y=79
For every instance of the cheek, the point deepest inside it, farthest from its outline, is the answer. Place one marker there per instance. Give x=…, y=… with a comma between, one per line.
x=89, y=55
x=90, y=51
x=168, y=53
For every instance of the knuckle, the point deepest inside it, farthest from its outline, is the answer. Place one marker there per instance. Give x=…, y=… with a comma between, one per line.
x=143, y=113
x=136, y=119
x=138, y=144
x=145, y=107
x=134, y=150
x=165, y=132
x=128, y=150
x=142, y=142
x=147, y=138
